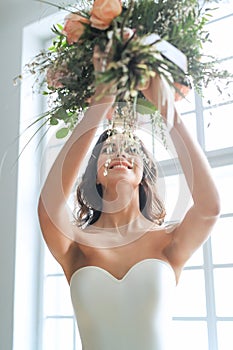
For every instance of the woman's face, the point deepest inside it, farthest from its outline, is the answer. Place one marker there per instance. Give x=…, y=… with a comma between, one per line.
x=120, y=158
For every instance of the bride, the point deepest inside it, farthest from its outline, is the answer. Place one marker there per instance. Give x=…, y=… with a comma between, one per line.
x=121, y=263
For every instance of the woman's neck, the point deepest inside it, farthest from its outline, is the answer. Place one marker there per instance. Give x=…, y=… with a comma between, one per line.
x=120, y=206
x=118, y=219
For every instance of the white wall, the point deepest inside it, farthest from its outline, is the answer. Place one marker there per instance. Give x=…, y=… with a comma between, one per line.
x=14, y=16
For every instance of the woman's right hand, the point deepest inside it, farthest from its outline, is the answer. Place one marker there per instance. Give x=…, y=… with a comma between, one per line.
x=99, y=59
x=100, y=62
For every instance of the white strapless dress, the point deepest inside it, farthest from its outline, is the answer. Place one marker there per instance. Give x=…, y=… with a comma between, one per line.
x=133, y=313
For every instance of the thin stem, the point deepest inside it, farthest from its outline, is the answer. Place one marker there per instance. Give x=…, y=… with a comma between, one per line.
x=30, y=140
x=128, y=12
x=54, y=5
x=135, y=99
x=42, y=137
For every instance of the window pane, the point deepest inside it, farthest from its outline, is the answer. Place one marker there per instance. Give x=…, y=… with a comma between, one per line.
x=222, y=241
x=190, y=294
x=168, y=190
x=223, y=278
x=225, y=335
x=190, y=122
x=219, y=34
x=57, y=299
x=223, y=177
x=51, y=266
x=222, y=10
x=213, y=96
x=154, y=144
x=196, y=259
x=177, y=197
x=78, y=343
x=190, y=335
x=58, y=334
x=52, y=148
x=218, y=127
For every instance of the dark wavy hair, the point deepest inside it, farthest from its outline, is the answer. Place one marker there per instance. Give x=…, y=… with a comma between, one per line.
x=89, y=194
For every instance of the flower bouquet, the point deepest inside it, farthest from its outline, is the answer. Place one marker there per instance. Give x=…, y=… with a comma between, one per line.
x=138, y=39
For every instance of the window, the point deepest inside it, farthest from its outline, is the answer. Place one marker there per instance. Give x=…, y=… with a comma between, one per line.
x=203, y=313
x=59, y=330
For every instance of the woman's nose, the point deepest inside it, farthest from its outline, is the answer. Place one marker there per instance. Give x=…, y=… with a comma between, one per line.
x=120, y=154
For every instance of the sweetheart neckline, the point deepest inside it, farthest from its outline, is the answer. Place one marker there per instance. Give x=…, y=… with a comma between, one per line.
x=119, y=280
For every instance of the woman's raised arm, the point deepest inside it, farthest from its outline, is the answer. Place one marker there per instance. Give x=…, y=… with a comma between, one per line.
x=200, y=218
x=53, y=210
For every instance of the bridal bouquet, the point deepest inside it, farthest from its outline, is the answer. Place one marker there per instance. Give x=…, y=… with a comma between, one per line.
x=138, y=39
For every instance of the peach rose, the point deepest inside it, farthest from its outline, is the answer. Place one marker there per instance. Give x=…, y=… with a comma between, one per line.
x=103, y=12
x=74, y=28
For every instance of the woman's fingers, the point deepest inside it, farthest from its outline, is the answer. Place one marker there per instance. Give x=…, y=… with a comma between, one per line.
x=99, y=59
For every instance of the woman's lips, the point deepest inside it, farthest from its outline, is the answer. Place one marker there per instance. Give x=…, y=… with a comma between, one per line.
x=120, y=164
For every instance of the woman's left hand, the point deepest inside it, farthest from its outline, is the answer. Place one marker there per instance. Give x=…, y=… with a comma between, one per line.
x=160, y=93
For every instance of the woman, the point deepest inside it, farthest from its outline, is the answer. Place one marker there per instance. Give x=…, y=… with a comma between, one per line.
x=123, y=266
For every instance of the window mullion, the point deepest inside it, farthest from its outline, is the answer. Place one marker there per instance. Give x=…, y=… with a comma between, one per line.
x=200, y=121
x=210, y=296
x=207, y=252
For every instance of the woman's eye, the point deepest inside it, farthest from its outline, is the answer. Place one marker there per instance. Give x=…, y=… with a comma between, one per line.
x=107, y=150
x=132, y=150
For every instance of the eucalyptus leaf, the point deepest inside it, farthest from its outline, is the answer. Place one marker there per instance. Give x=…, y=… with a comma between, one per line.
x=145, y=106
x=53, y=121
x=63, y=132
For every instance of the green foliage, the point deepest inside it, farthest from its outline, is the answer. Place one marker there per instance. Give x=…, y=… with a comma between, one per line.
x=129, y=62
x=63, y=132
x=145, y=107
x=181, y=23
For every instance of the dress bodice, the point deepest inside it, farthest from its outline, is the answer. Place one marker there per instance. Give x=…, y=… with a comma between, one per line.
x=132, y=313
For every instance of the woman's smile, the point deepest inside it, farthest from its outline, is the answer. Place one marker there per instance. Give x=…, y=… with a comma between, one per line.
x=120, y=164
